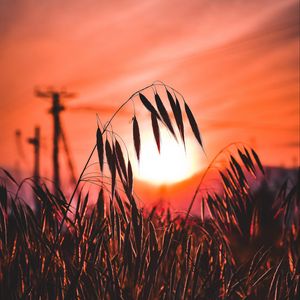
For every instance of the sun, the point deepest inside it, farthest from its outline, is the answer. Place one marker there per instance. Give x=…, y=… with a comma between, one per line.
x=173, y=164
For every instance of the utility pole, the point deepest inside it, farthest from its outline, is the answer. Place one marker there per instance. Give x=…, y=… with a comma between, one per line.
x=20, y=152
x=35, y=141
x=55, y=110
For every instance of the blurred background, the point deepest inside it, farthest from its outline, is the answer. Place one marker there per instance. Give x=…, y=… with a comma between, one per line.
x=235, y=62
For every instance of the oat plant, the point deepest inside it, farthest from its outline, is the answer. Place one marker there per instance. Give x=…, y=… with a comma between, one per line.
x=110, y=248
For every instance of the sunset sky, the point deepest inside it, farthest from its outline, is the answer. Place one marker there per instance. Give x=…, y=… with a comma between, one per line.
x=236, y=63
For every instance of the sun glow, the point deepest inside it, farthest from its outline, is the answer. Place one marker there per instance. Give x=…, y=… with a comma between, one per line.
x=173, y=164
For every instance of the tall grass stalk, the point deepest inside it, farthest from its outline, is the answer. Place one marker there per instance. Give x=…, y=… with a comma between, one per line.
x=245, y=247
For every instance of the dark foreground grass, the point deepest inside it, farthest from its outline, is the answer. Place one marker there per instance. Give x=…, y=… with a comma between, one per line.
x=243, y=244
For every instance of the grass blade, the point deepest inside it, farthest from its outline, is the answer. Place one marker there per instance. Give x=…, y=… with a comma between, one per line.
x=100, y=148
x=164, y=114
x=155, y=129
x=136, y=137
x=193, y=124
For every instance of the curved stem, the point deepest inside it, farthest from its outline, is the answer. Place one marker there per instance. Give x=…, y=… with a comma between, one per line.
x=203, y=177
x=86, y=165
x=158, y=83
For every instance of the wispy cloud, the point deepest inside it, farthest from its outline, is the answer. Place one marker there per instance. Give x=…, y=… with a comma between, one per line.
x=236, y=61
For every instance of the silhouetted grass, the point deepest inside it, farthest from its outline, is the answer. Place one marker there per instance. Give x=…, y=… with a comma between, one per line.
x=248, y=247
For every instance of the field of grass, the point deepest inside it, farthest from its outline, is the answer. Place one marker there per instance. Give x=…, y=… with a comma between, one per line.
x=243, y=244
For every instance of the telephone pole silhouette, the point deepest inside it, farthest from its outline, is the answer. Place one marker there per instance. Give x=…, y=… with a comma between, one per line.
x=35, y=141
x=55, y=110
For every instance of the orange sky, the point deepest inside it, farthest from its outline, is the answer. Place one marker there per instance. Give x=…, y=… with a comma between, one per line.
x=236, y=63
